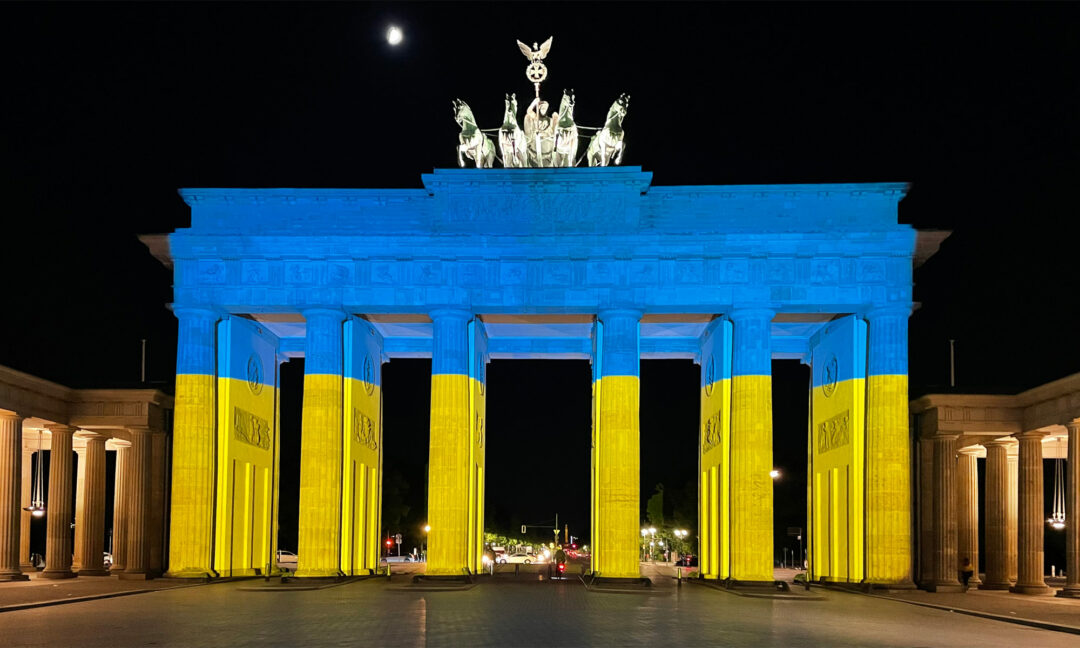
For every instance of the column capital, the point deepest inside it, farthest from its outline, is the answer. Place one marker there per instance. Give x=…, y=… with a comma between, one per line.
x=969, y=450
x=10, y=416
x=1073, y=425
x=1031, y=434
x=451, y=313
x=887, y=310
x=61, y=428
x=750, y=312
x=1007, y=442
x=630, y=313
x=323, y=312
x=197, y=311
x=944, y=436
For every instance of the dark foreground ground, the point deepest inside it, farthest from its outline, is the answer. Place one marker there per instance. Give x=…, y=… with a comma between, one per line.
x=500, y=613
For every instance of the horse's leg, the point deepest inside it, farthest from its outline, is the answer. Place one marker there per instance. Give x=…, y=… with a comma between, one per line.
x=619, y=149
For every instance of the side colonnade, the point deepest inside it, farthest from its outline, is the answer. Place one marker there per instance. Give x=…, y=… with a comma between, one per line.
x=130, y=422
x=1014, y=434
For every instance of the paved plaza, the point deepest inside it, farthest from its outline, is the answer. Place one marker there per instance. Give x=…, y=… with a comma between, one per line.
x=501, y=613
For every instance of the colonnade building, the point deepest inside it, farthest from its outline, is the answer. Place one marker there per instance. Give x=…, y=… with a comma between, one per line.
x=1012, y=434
x=39, y=416
x=593, y=264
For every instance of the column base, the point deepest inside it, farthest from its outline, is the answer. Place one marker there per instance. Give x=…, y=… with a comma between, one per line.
x=1032, y=590
x=1069, y=592
x=141, y=575
x=27, y=568
x=321, y=573
x=995, y=586
x=93, y=572
x=888, y=587
x=13, y=576
x=939, y=588
x=191, y=573
x=58, y=573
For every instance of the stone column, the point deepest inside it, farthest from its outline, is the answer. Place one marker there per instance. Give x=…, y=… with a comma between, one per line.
x=27, y=518
x=321, y=446
x=1072, y=510
x=967, y=510
x=90, y=510
x=617, y=446
x=11, y=456
x=1031, y=517
x=945, y=572
x=156, y=529
x=120, y=511
x=58, y=509
x=888, y=449
x=997, y=516
x=751, y=446
x=194, y=445
x=138, y=489
x=1011, y=507
x=449, y=470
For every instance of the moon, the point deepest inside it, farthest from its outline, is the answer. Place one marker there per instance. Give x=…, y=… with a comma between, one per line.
x=394, y=35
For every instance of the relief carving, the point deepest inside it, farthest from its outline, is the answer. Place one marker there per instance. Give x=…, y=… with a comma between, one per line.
x=834, y=433
x=251, y=429
x=710, y=433
x=363, y=430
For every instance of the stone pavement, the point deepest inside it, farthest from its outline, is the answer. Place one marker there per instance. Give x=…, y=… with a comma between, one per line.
x=378, y=612
x=44, y=591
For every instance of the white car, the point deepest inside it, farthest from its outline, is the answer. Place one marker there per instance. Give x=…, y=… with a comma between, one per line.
x=521, y=558
x=286, y=560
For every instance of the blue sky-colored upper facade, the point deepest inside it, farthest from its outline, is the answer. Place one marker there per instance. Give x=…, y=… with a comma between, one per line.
x=554, y=245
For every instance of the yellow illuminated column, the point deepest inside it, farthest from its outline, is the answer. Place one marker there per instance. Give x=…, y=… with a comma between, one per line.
x=454, y=477
x=322, y=440
x=617, y=446
x=193, y=460
x=888, y=452
x=714, y=451
x=10, y=486
x=751, y=446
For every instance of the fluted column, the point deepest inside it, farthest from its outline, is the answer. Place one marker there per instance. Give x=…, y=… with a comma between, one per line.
x=967, y=510
x=136, y=566
x=90, y=510
x=945, y=572
x=10, y=496
x=751, y=446
x=997, y=516
x=26, y=517
x=1030, y=517
x=617, y=445
x=156, y=522
x=448, y=472
x=194, y=445
x=1072, y=510
x=321, y=446
x=120, y=511
x=1011, y=507
x=888, y=449
x=58, y=509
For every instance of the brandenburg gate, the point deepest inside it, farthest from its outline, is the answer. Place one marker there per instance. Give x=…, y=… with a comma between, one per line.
x=557, y=263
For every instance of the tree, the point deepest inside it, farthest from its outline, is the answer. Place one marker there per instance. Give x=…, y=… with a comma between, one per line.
x=655, y=507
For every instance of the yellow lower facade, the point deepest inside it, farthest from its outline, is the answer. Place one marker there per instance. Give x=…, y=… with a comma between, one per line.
x=456, y=472
x=751, y=485
x=615, y=479
x=888, y=481
x=193, y=462
x=714, y=559
x=321, y=456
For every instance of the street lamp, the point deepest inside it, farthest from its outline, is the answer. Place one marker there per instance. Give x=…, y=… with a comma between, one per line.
x=774, y=473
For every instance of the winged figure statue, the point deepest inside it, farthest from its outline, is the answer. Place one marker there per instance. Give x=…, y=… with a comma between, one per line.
x=536, y=54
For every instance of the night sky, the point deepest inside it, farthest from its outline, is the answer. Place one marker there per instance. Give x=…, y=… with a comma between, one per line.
x=108, y=109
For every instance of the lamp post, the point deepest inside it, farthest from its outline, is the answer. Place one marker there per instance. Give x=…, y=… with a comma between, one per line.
x=423, y=546
x=644, y=533
x=652, y=541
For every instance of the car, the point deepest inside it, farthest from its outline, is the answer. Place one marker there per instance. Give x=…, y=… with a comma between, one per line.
x=286, y=560
x=522, y=558
x=687, y=560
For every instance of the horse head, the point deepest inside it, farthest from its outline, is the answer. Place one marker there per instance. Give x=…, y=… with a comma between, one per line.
x=566, y=107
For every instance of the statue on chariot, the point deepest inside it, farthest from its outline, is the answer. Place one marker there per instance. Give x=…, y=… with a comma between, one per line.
x=547, y=140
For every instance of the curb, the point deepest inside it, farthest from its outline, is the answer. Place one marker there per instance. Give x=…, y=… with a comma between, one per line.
x=756, y=594
x=1033, y=623
x=91, y=597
